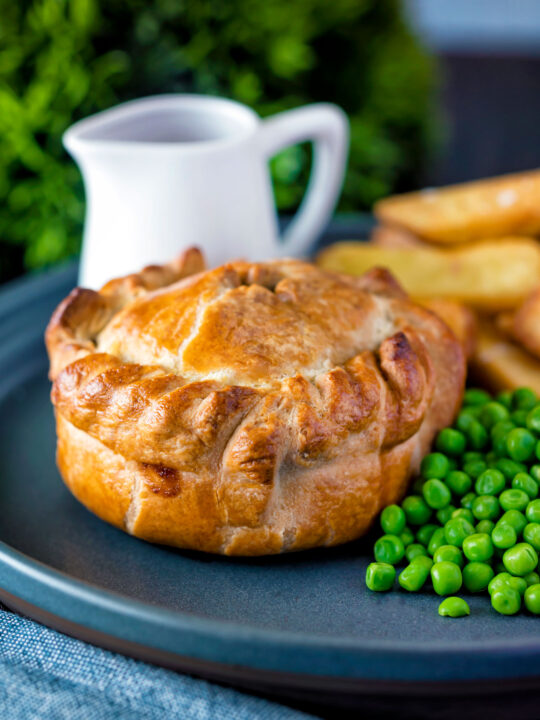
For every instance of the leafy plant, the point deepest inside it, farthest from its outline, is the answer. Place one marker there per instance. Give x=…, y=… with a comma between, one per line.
x=61, y=60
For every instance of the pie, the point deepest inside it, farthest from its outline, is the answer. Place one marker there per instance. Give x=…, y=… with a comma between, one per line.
x=251, y=409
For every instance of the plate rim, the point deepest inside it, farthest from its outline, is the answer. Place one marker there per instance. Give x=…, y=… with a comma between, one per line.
x=37, y=571
x=29, y=577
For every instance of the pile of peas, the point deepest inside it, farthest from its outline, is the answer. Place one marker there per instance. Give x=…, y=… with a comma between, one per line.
x=472, y=520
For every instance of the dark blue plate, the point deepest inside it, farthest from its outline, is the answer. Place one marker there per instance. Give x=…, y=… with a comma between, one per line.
x=302, y=622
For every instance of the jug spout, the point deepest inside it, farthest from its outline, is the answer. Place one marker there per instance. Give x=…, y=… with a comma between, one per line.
x=163, y=120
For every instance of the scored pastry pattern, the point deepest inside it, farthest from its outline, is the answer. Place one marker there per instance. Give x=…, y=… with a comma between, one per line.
x=245, y=419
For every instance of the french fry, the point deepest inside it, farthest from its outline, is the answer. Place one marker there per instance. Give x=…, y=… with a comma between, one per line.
x=492, y=275
x=504, y=322
x=524, y=325
x=460, y=319
x=392, y=237
x=501, y=364
x=496, y=207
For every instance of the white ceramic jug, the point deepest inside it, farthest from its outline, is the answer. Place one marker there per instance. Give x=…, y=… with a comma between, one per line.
x=171, y=171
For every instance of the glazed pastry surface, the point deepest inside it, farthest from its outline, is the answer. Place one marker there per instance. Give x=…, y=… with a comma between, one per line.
x=251, y=409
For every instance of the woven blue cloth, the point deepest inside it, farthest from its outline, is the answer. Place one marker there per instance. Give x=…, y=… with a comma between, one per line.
x=45, y=675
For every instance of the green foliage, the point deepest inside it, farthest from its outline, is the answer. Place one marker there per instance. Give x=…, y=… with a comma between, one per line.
x=63, y=59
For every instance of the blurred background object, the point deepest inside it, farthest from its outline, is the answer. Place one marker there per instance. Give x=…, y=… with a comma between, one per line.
x=61, y=60
x=436, y=91
x=489, y=96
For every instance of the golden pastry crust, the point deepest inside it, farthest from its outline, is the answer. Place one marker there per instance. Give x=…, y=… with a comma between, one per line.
x=251, y=409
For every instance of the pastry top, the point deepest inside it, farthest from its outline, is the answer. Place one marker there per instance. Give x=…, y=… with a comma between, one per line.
x=250, y=367
x=250, y=324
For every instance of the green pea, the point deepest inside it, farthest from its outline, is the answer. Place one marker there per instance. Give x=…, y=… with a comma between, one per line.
x=454, y=607
x=504, y=578
x=471, y=455
x=520, y=559
x=468, y=500
x=534, y=472
x=446, y=578
x=474, y=468
x=414, y=576
x=506, y=600
x=425, y=533
x=451, y=442
x=407, y=536
x=505, y=398
x=477, y=435
x=459, y=482
x=436, y=494
x=456, y=530
x=380, y=576
x=532, y=578
x=416, y=510
x=502, y=428
x=393, y=520
x=533, y=419
x=498, y=580
x=510, y=468
x=532, y=599
x=478, y=547
x=519, y=418
x=515, y=518
x=448, y=553
x=499, y=444
x=476, y=396
x=463, y=513
x=435, y=465
x=437, y=539
x=389, y=549
x=414, y=550
x=477, y=576
x=524, y=398
x=531, y=534
x=444, y=514
x=514, y=500
x=464, y=420
x=490, y=482
x=533, y=511
x=474, y=410
x=485, y=526
x=520, y=444
x=504, y=536
x=423, y=560
x=486, y=507
x=493, y=412
x=524, y=482
x=518, y=583
x=537, y=450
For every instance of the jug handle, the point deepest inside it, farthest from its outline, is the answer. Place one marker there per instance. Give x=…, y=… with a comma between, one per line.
x=327, y=126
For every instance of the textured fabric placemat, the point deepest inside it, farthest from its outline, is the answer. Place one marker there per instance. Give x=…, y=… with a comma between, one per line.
x=45, y=675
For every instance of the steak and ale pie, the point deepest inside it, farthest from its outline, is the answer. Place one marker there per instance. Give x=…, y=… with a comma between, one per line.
x=251, y=409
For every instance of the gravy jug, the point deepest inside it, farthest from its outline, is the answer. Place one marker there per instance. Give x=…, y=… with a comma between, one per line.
x=172, y=171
